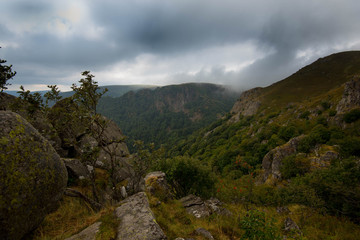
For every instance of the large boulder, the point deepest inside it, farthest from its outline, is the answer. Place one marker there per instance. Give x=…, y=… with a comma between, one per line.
x=111, y=140
x=33, y=177
x=272, y=161
x=76, y=169
x=137, y=221
x=88, y=233
x=156, y=185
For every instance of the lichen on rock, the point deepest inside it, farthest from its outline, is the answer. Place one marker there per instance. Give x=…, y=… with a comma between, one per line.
x=33, y=177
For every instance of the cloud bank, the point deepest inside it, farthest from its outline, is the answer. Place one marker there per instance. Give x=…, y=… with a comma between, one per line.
x=239, y=43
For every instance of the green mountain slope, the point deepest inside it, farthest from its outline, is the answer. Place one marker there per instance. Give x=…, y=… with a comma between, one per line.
x=164, y=114
x=300, y=134
x=315, y=79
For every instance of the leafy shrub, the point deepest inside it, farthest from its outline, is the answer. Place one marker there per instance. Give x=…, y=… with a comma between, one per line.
x=293, y=166
x=350, y=146
x=332, y=112
x=257, y=227
x=305, y=115
x=352, y=116
x=325, y=105
x=288, y=132
x=320, y=134
x=188, y=175
x=337, y=188
x=306, y=144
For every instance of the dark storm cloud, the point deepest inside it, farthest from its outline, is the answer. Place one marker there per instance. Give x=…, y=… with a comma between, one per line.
x=284, y=36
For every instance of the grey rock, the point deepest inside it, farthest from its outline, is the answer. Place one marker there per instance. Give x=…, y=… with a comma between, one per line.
x=76, y=168
x=156, y=185
x=88, y=233
x=137, y=221
x=290, y=225
x=272, y=161
x=195, y=206
x=205, y=233
x=351, y=96
x=34, y=174
x=90, y=168
x=216, y=207
x=247, y=105
x=123, y=192
x=282, y=210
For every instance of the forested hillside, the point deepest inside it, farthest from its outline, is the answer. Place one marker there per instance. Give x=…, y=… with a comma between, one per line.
x=166, y=114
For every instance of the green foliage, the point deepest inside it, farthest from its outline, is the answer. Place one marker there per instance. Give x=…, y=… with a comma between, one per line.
x=305, y=114
x=318, y=135
x=352, y=116
x=288, y=132
x=257, y=227
x=52, y=96
x=6, y=74
x=332, y=112
x=294, y=165
x=336, y=187
x=165, y=115
x=88, y=94
x=33, y=101
x=325, y=105
x=350, y=146
x=188, y=175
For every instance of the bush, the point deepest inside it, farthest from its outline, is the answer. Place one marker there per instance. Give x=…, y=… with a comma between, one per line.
x=306, y=144
x=320, y=134
x=293, y=166
x=188, y=175
x=332, y=112
x=325, y=105
x=350, y=146
x=288, y=132
x=305, y=115
x=352, y=116
x=336, y=188
x=256, y=226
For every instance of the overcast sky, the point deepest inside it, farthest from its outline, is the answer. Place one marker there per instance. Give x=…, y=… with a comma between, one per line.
x=159, y=42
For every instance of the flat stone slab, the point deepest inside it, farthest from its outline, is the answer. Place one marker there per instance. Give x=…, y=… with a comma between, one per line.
x=88, y=233
x=137, y=221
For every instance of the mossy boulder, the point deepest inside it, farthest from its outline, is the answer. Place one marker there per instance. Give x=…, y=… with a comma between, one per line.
x=33, y=177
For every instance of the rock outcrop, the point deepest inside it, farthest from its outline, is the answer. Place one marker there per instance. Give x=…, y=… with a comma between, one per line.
x=33, y=177
x=248, y=104
x=137, y=221
x=195, y=206
x=351, y=96
x=156, y=185
x=205, y=233
x=76, y=169
x=88, y=233
x=273, y=159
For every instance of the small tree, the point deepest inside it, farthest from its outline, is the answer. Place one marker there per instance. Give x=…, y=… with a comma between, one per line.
x=87, y=96
x=53, y=95
x=6, y=74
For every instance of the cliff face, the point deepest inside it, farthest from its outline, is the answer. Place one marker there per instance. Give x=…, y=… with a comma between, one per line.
x=248, y=103
x=351, y=95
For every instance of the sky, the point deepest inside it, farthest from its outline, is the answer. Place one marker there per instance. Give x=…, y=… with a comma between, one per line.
x=239, y=43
